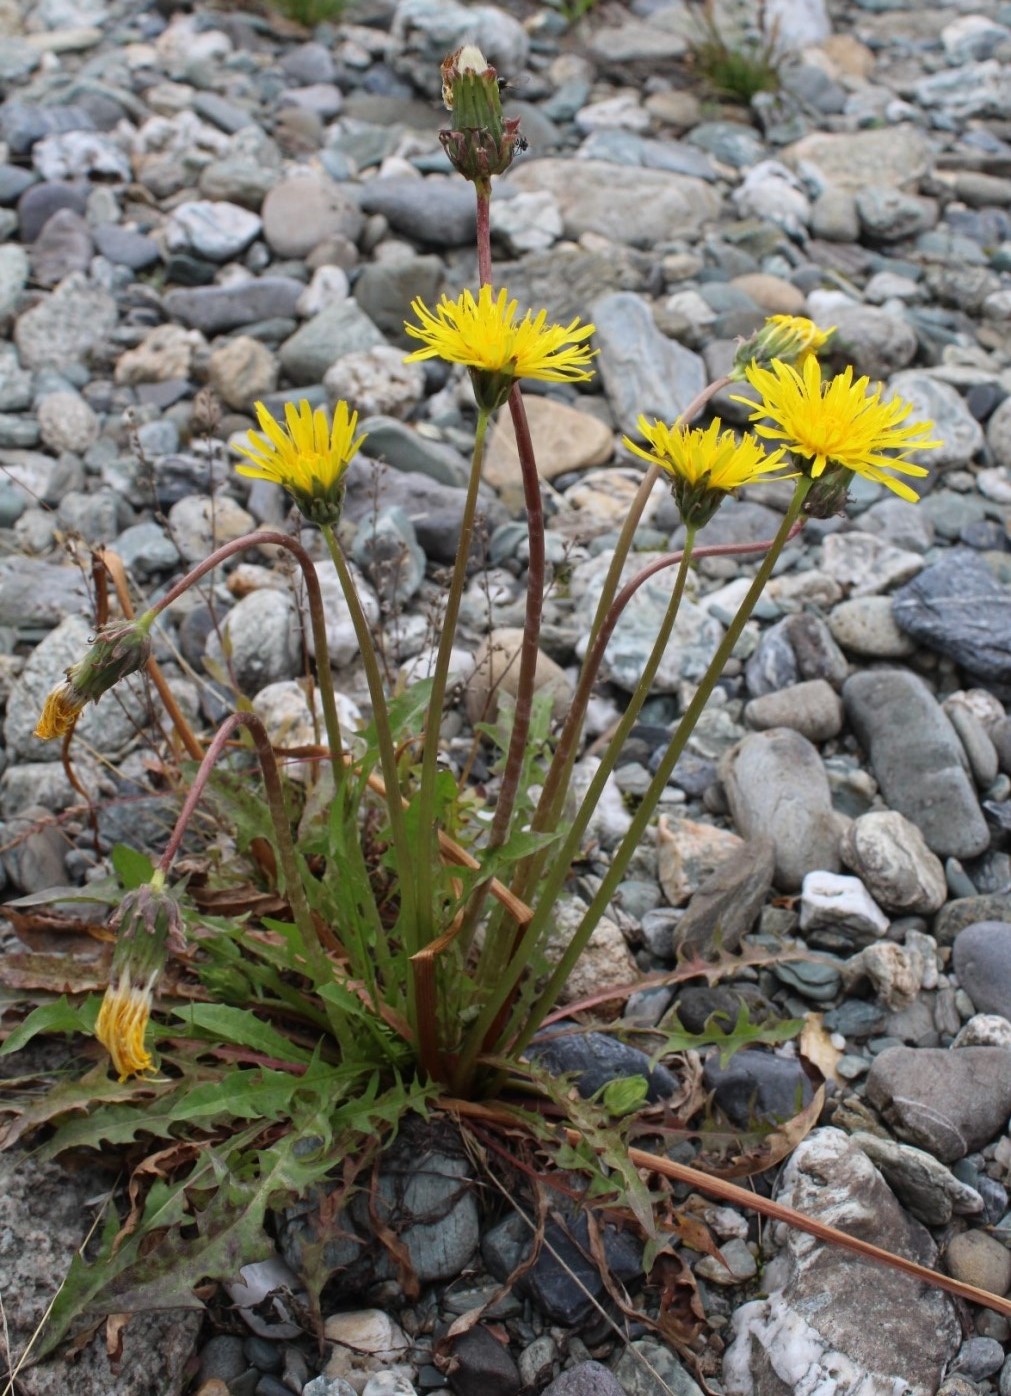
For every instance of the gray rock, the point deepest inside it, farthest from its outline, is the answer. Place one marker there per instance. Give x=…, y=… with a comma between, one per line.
x=667, y=205
x=776, y=787
x=813, y=709
x=980, y=751
x=385, y=290
x=16, y=432
x=627, y=148
x=402, y=448
x=23, y=123
x=37, y=595
x=998, y=433
x=729, y=141
x=72, y=154
x=917, y=759
x=811, y=1330
x=424, y=31
x=438, y=210
x=67, y=423
x=126, y=247
x=14, y=268
x=866, y=626
x=300, y=213
x=386, y=549
x=728, y=901
x=757, y=1087
x=44, y=1202
x=146, y=549
x=343, y=328
x=947, y=1101
x=61, y=331
x=434, y=508
x=957, y=607
x=63, y=246
x=644, y=372
x=982, y=960
x=875, y=341
x=649, y=1368
x=215, y=309
x=94, y=515
x=978, y=1259
x=40, y=201
x=961, y=436
x=888, y=214
x=890, y=856
x=213, y=229
x=929, y=1190
x=585, y=1379
x=34, y=849
x=262, y=640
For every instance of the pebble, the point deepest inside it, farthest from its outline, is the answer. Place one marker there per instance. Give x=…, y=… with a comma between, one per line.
x=946, y=1102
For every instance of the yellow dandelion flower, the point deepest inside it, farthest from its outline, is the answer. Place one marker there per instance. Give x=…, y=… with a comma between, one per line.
x=838, y=422
x=60, y=711
x=485, y=335
x=308, y=456
x=122, y=1022
x=791, y=338
x=704, y=466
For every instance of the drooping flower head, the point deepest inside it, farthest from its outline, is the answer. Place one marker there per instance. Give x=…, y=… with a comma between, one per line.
x=308, y=456
x=485, y=335
x=148, y=924
x=482, y=141
x=838, y=423
x=703, y=466
x=793, y=339
x=120, y=648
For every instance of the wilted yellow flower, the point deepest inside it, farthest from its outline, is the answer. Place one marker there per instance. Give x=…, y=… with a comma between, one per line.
x=60, y=711
x=308, y=456
x=122, y=1023
x=485, y=336
x=120, y=648
x=704, y=466
x=839, y=422
x=790, y=338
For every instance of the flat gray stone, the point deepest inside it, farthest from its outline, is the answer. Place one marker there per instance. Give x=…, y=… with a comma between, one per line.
x=982, y=960
x=917, y=759
x=214, y=309
x=644, y=373
x=958, y=607
x=339, y=329
x=949, y=1101
x=777, y=788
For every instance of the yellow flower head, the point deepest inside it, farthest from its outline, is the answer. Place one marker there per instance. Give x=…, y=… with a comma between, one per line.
x=60, y=711
x=122, y=1022
x=704, y=466
x=838, y=423
x=308, y=456
x=791, y=338
x=486, y=337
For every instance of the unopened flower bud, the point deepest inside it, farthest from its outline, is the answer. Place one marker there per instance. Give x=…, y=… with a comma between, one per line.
x=148, y=925
x=828, y=494
x=481, y=141
x=118, y=649
x=789, y=338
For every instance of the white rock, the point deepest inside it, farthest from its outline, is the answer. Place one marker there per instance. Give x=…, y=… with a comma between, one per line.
x=527, y=223
x=328, y=286
x=610, y=820
x=260, y=1299
x=830, y=900
x=212, y=228
x=624, y=111
x=771, y=191
x=375, y=382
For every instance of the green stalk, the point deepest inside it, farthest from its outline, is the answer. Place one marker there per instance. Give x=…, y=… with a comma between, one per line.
x=533, y=1014
x=384, y=734
x=319, y=966
x=561, y=859
x=426, y=927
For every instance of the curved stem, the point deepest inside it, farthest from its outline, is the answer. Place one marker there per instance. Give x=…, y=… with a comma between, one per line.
x=535, y=930
x=322, y=970
x=381, y=717
x=317, y=619
x=426, y=929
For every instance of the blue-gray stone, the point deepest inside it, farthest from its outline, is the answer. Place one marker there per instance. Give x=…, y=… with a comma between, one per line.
x=596, y=1059
x=437, y=210
x=338, y=329
x=957, y=607
x=757, y=1086
x=643, y=372
x=214, y=309
x=916, y=758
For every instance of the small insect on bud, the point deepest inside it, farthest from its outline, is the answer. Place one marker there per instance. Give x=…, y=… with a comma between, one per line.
x=481, y=141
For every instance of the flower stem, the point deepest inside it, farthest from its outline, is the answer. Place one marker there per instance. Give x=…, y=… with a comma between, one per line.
x=381, y=717
x=426, y=927
x=317, y=619
x=651, y=799
x=499, y=993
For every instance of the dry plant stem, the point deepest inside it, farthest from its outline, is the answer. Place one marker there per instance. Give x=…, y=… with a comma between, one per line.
x=764, y=1206
x=426, y=927
x=317, y=619
x=114, y=565
x=640, y=820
